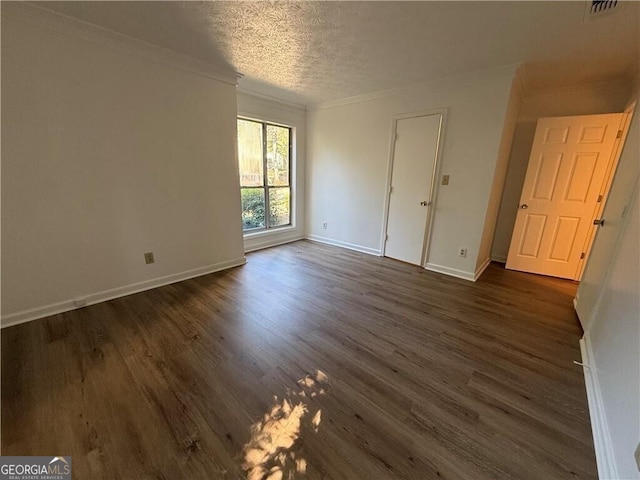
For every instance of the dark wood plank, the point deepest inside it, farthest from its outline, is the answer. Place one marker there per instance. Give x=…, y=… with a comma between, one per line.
x=428, y=376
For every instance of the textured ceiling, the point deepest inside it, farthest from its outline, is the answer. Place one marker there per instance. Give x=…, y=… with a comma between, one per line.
x=310, y=52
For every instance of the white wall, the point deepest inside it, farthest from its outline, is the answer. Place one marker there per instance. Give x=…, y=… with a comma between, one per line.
x=499, y=178
x=608, y=302
x=348, y=155
x=614, y=344
x=261, y=108
x=581, y=100
x=107, y=154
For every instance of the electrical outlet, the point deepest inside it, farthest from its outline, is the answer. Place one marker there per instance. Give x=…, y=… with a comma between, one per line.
x=462, y=252
x=148, y=258
x=445, y=179
x=324, y=225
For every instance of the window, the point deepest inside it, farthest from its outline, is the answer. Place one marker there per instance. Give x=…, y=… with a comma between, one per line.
x=264, y=156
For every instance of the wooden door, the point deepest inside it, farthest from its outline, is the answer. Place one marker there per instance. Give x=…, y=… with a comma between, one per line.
x=413, y=167
x=567, y=168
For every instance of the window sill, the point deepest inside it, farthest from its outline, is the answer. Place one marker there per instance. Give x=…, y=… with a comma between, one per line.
x=270, y=238
x=270, y=232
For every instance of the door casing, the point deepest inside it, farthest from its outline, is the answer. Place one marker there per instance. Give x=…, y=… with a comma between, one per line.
x=625, y=179
x=613, y=166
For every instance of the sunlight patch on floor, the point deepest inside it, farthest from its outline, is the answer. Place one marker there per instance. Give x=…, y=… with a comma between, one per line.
x=270, y=452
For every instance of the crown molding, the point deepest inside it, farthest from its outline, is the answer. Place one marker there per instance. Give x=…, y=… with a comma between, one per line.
x=26, y=12
x=457, y=80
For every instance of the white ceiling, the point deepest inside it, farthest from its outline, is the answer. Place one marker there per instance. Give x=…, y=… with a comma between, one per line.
x=310, y=52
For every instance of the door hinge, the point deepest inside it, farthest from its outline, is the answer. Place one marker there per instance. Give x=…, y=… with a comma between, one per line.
x=619, y=135
x=396, y=138
x=582, y=255
x=391, y=189
x=599, y=198
x=386, y=237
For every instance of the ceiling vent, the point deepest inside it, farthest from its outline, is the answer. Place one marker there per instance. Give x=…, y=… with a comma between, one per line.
x=599, y=8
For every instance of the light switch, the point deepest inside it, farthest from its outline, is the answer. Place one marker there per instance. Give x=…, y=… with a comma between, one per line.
x=445, y=179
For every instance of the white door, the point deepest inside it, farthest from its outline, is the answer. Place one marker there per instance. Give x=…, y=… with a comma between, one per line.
x=413, y=167
x=569, y=162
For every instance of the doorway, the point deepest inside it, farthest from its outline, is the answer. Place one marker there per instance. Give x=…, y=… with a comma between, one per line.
x=570, y=169
x=412, y=173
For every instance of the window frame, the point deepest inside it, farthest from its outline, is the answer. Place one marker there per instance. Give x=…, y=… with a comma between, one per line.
x=265, y=178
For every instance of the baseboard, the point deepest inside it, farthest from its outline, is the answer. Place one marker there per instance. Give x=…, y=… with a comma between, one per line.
x=498, y=258
x=67, y=305
x=452, y=272
x=480, y=270
x=339, y=243
x=601, y=438
x=267, y=243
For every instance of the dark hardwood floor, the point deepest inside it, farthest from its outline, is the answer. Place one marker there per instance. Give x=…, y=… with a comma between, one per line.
x=416, y=376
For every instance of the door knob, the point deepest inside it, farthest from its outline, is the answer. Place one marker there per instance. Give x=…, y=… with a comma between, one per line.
x=524, y=206
x=599, y=221
x=425, y=203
